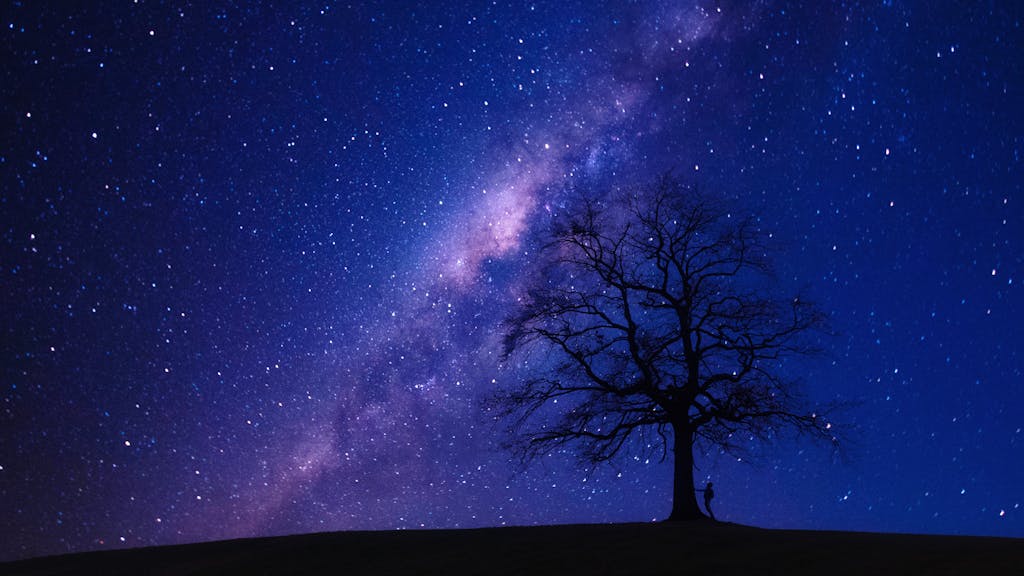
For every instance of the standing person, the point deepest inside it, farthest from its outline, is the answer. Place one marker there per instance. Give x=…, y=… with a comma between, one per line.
x=709, y=493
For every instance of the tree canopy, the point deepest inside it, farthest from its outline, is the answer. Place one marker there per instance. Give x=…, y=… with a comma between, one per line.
x=650, y=324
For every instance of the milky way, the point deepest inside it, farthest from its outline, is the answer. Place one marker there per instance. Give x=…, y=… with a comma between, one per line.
x=255, y=259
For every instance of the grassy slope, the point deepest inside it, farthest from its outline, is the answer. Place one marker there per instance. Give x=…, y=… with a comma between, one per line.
x=665, y=548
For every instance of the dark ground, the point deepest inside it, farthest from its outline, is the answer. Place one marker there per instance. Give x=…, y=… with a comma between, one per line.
x=663, y=548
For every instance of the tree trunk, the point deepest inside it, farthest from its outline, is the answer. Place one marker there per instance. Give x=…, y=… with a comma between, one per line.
x=684, y=499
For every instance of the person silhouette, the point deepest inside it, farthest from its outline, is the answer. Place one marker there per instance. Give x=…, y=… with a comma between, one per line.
x=709, y=493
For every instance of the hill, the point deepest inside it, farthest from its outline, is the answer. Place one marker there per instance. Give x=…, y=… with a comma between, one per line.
x=656, y=548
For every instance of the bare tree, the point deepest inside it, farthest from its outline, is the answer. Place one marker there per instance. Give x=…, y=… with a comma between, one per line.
x=649, y=327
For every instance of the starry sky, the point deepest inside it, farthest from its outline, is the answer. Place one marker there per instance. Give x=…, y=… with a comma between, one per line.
x=254, y=257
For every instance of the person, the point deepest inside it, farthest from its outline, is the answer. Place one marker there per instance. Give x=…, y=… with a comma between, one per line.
x=709, y=493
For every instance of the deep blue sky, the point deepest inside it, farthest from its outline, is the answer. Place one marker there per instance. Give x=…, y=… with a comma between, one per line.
x=253, y=257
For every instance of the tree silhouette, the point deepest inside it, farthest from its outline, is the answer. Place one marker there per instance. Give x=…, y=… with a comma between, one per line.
x=648, y=327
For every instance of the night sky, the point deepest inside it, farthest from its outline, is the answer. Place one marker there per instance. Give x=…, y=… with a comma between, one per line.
x=253, y=258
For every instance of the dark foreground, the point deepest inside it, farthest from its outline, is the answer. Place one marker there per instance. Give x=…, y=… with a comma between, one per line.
x=665, y=548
